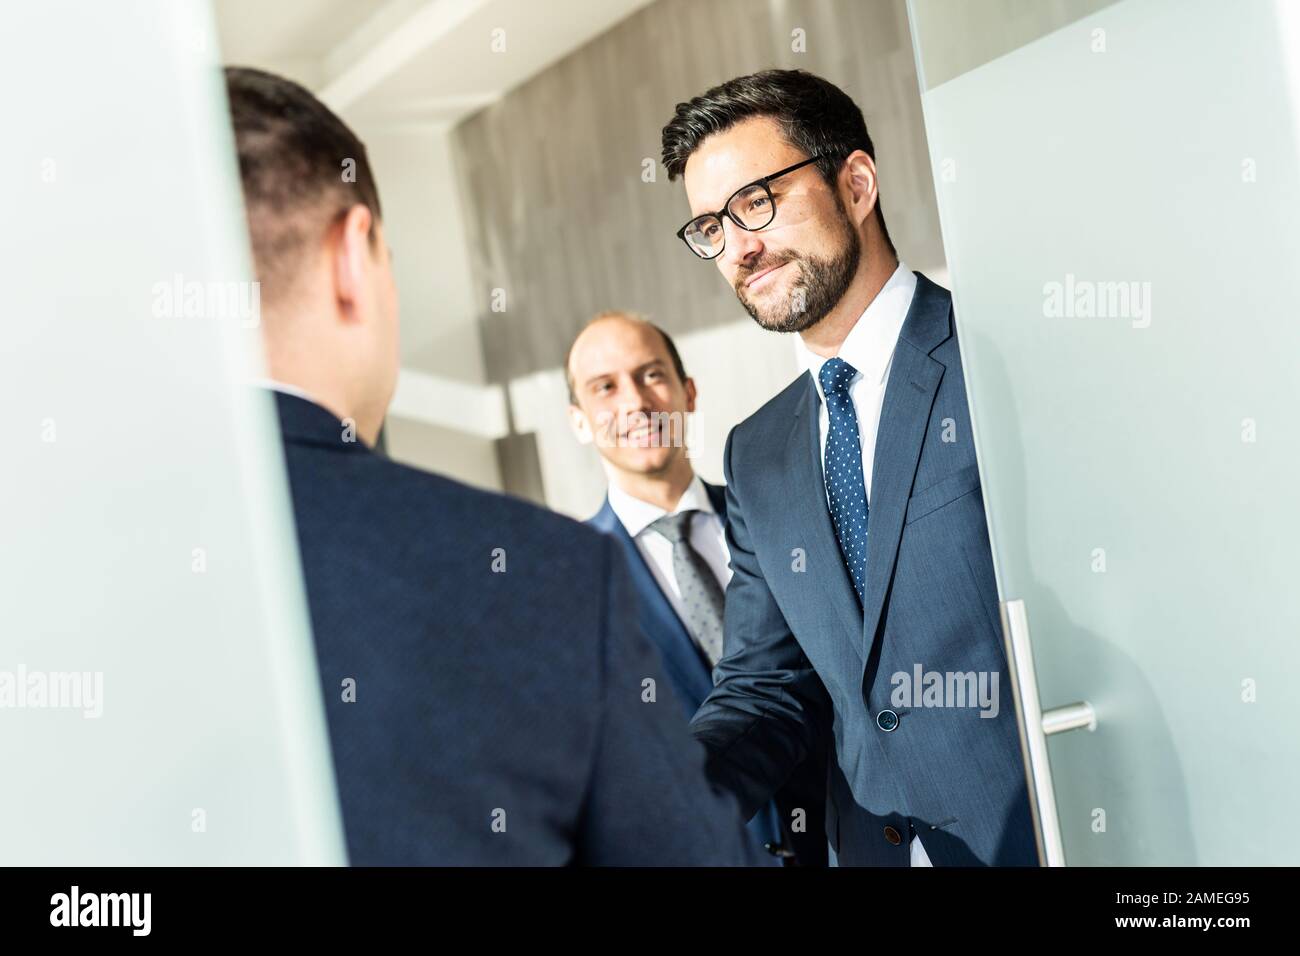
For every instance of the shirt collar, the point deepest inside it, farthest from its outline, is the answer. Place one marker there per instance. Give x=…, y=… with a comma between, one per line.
x=869, y=346
x=284, y=388
x=636, y=514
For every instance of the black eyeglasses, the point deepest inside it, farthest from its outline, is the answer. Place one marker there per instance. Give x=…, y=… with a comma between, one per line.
x=750, y=207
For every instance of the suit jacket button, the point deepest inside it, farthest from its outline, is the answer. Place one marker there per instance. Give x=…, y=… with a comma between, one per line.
x=893, y=836
x=887, y=720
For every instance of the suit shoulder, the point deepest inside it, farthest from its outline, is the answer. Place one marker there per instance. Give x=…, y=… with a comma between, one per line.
x=450, y=502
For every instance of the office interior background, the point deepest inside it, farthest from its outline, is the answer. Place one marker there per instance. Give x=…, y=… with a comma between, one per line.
x=1067, y=136
x=523, y=194
x=1138, y=467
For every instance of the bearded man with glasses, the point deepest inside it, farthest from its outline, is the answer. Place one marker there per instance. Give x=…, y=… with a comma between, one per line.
x=862, y=603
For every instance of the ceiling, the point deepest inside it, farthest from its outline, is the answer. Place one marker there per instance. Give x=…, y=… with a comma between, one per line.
x=404, y=61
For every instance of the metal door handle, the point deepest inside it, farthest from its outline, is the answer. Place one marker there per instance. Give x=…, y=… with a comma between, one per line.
x=1035, y=727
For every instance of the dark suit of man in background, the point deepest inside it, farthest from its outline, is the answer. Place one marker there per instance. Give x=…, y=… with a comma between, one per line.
x=858, y=543
x=483, y=708
x=629, y=394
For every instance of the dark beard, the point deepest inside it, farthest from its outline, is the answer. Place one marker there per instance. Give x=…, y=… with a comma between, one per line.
x=822, y=281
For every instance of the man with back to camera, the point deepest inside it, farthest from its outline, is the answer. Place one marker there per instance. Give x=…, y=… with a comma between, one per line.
x=481, y=709
x=630, y=396
x=859, y=549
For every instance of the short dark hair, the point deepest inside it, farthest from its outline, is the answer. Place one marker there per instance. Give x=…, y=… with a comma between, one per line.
x=293, y=157
x=816, y=117
x=673, y=355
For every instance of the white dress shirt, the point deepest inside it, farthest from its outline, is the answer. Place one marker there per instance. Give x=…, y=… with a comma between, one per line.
x=869, y=348
x=707, y=536
x=282, y=387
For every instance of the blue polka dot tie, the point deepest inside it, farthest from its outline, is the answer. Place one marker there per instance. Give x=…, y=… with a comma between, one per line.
x=845, y=487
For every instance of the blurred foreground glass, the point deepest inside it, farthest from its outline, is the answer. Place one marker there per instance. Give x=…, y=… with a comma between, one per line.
x=1117, y=186
x=159, y=697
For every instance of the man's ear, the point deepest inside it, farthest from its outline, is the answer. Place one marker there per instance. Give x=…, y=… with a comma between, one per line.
x=859, y=178
x=690, y=395
x=352, y=259
x=581, y=427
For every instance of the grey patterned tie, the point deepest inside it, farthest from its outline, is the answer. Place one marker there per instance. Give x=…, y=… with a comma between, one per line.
x=702, y=599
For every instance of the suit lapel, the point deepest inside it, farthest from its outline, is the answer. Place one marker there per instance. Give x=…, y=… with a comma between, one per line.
x=813, y=529
x=681, y=657
x=718, y=498
x=904, y=418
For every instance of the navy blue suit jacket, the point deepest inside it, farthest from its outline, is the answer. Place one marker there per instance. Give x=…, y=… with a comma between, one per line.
x=498, y=675
x=800, y=646
x=692, y=678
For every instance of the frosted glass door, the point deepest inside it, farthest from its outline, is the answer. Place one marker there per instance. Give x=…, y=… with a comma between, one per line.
x=159, y=697
x=1119, y=190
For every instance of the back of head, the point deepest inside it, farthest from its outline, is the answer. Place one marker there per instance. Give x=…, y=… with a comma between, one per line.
x=301, y=168
x=323, y=269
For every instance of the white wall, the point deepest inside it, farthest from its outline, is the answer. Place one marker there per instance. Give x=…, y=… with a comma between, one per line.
x=443, y=417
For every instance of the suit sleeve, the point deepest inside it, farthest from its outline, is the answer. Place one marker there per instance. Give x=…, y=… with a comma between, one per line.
x=768, y=708
x=649, y=802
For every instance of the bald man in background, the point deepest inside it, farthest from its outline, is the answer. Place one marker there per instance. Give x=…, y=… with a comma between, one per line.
x=481, y=709
x=629, y=395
